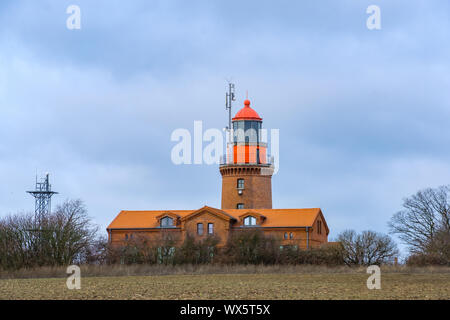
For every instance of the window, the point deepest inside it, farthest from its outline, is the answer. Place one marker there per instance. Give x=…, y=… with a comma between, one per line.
x=240, y=183
x=166, y=222
x=126, y=236
x=285, y=236
x=291, y=235
x=240, y=206
x=238, y=131
x=200, y=229
x=248, y=131
x=319, y=227
x=210, y=228
x=250, y=221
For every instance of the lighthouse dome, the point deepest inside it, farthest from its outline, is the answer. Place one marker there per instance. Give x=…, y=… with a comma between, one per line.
x=247, y=113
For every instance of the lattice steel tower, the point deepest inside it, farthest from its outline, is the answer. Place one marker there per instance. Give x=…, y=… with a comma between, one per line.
x=43, y=195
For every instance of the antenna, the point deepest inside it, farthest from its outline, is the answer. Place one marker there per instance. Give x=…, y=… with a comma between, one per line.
x=230, y=97
x=42, y=194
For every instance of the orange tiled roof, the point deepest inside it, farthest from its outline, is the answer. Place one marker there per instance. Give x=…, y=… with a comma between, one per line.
x=274, y=217
x=282, y=217
x=142, y=219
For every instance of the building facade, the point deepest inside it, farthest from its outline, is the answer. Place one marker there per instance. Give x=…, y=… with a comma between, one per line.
x=246, y=172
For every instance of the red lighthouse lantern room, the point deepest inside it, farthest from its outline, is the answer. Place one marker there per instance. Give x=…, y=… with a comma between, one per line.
x=248, y=145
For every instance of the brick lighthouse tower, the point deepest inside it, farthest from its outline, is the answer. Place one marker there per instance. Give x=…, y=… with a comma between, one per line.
x=246, y=169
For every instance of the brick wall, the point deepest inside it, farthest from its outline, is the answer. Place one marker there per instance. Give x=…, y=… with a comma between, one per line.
x=257, y=193
x=221, y=227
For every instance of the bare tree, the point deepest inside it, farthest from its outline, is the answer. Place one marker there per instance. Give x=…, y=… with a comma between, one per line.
x=367, y=248
x=19, y=244
x=68, y=232
x=62, y=237
x=425, y=214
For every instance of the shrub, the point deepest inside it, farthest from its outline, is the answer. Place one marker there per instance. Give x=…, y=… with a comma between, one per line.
x=197, y=252
x=426, y=259
x=251, y=247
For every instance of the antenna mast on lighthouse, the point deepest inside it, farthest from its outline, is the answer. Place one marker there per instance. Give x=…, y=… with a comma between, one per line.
x=230, y=97
x=229, y=100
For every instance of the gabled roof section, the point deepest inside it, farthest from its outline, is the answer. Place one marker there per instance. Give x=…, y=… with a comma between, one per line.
x=217, y=212
x=324, y=221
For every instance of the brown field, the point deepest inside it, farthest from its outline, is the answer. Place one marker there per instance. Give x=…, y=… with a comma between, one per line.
x=286, y=283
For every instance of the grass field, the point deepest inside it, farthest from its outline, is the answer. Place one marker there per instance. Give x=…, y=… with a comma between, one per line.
x=283, y=285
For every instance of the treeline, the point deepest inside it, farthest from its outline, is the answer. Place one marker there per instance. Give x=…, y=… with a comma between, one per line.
x=243, y=247
x=67, y=236
x=254, y=247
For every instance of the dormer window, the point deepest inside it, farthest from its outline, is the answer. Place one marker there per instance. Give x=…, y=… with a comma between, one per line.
x=249, y=221
x=166, y=222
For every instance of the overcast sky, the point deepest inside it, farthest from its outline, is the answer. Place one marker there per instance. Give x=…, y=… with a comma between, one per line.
x=363, y=114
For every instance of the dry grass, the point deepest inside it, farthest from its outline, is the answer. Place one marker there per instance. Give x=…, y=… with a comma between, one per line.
x=227, y=282
x=235, y=286
x=150, y=270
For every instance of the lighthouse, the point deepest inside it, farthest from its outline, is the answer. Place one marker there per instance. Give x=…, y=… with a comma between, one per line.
x=246, y=169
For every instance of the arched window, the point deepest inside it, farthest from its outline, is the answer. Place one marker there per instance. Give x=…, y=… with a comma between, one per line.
x=249, y=221
x=166, y=222
x=285, y=236
x=291, y=235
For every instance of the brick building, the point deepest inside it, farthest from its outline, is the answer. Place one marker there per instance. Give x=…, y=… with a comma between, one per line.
x=246, y=201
